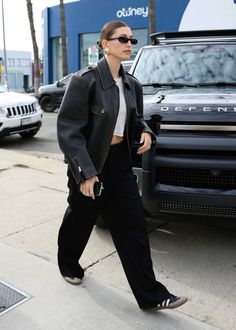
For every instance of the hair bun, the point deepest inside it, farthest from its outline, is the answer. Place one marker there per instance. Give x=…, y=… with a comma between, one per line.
x=99, y=43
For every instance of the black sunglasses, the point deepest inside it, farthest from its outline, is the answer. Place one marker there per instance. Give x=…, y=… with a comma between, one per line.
x=124, y=40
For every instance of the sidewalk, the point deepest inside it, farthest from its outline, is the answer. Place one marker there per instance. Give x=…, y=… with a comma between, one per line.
x=32, y=202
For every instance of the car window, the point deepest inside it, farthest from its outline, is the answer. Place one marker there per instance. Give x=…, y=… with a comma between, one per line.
x=65, y=80
x=193, y=64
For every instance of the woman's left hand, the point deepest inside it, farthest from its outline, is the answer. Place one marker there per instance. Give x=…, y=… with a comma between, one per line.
x=146, y=139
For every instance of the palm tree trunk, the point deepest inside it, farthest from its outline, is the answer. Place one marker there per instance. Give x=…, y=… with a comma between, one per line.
x=35, y=47
x=63, y=39
x=151, y=16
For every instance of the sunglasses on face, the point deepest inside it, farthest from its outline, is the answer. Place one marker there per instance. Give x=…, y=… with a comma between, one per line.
x=125, y=40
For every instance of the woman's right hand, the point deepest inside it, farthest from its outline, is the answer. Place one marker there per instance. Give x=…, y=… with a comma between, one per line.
x=86, y=187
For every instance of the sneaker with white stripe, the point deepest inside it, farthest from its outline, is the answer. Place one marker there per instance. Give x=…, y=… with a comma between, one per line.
x=171, y=303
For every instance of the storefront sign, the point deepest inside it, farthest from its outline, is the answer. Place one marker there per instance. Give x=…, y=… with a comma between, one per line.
x=141, y=11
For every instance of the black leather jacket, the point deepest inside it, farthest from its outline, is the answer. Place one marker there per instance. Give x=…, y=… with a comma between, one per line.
x=88, y=114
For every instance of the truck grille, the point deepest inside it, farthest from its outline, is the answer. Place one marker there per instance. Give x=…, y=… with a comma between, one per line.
x=197, y=178
x=21, y=110
x=196, y=209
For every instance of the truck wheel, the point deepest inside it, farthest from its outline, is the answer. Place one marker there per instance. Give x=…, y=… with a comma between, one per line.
x=29, y=134
x=47, y=103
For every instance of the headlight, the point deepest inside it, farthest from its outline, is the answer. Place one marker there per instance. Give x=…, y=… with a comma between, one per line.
x=37, y=106
x=2, y=111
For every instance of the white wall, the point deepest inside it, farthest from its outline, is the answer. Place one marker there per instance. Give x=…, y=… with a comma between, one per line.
x=209, y=14
x=19, y=65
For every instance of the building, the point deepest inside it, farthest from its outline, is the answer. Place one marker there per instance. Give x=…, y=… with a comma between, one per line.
x=19, y=69
x=85, y=18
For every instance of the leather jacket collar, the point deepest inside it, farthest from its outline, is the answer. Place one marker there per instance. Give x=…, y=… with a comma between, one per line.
x=106, y=77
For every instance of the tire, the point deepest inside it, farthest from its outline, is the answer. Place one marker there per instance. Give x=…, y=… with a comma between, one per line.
x=29, y=134
x=47, y=104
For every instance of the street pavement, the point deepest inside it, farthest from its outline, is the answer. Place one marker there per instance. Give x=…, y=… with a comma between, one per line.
x=187, y=258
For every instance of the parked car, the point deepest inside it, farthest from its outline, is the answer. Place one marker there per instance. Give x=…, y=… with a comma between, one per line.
x=189, y=85
x=19, y=114
x=50, y=96
x=30, y=89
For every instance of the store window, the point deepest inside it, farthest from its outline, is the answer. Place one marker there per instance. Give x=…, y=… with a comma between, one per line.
x=11, y=62
x=56, y=59
x=89, y=53
x=15, y=81
x=23, y=62
x=142, y=36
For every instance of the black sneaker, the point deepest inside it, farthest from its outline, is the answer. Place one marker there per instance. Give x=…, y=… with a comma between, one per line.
x=171, y=303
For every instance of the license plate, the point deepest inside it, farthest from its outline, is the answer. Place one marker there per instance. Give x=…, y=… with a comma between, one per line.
x=26, y=121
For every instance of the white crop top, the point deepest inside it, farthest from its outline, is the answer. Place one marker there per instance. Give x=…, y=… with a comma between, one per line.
x=121, y=119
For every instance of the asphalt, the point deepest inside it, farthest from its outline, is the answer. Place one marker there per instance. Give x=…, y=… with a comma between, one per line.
x=32, y=202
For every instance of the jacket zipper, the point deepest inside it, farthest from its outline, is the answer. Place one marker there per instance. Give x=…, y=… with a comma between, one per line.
x=127, y=120
x=117, y=112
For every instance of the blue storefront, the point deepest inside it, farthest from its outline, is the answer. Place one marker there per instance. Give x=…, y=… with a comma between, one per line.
x=84, y=20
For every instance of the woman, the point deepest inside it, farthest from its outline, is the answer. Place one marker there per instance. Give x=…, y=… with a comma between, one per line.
x=100, y=116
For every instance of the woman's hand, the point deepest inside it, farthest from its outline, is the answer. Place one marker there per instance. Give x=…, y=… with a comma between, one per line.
x=146, y=139
x=86, y=187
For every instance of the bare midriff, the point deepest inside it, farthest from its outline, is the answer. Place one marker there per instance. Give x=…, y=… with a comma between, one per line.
x=116, y=139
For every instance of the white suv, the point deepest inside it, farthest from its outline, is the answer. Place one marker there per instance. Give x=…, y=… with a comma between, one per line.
x=19, y=113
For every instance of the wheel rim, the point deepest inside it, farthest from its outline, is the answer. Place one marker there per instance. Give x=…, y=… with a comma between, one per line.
x=47, y=104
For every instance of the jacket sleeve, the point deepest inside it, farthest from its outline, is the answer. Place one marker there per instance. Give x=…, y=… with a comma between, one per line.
x=142, y=126
x=71, y=124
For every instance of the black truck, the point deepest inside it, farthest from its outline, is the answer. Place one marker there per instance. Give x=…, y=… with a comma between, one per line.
x=50, y=96
x=189, y=86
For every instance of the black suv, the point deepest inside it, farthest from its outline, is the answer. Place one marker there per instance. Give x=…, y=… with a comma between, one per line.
x=50, y=96
x=189, y=85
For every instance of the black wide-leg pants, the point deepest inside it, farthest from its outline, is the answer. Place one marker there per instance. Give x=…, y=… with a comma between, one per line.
x=122, y=205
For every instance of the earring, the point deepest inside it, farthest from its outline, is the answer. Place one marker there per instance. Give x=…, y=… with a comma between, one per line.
x=107, y=51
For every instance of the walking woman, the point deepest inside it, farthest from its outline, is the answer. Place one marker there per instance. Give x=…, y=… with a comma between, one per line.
x=100, y=116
